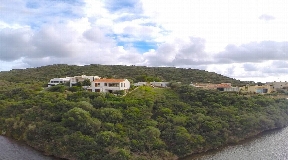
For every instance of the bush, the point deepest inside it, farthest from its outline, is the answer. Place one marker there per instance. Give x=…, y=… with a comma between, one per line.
x=57, y=88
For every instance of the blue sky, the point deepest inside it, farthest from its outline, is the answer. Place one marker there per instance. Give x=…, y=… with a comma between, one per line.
x=245, y=40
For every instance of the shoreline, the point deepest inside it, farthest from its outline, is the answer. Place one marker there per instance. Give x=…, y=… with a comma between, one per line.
x=241, y=141
x=187, y=157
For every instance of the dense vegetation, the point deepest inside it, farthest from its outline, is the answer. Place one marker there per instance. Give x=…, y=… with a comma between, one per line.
x=148, y=123
x=134, y=73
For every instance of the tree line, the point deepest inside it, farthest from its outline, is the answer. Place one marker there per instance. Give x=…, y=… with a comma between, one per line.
x=148, y=123
x=134, y=73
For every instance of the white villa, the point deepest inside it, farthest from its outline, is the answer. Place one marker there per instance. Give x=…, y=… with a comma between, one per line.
x=109, y=85
x=56, y=81
x=72, y=80
x=155, y=84
x=76, y=79
x=141, y=84
x=159, y=84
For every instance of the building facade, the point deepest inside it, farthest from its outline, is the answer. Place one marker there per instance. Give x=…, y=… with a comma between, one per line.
x=159, y=84
x=141, y=84
x=56, y=81
x=109, y=85
x=278, y=85
x=261, y=89
x=74, y=80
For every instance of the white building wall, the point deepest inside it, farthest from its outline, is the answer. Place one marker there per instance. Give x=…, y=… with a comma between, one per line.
x=103, y=88
x=159, y=84
x=125, y=85
x=140, y=84
x=278, y=85
x=81, y=78
x=56, y=81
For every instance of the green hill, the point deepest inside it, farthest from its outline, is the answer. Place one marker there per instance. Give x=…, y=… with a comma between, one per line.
x=135, y=73
x=148, y=123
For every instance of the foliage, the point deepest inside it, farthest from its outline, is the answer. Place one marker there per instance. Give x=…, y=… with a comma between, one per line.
x=86, y=82
x=133, y=73
x=148, y=123
x=57, y=88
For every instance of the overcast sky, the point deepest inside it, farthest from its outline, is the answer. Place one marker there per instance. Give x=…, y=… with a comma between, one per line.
x=246, y=40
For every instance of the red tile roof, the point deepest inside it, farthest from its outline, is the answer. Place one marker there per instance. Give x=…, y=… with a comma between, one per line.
x=223, y=86
x=110, y=80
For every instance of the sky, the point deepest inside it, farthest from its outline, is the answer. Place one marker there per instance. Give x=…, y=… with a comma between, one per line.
x=246, y=40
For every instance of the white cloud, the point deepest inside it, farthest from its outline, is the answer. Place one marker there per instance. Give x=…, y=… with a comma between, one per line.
x=254, y=52
x=14, y=43
x=250, y=67
x=235, y=38
x=266, y=17
x=179, y=53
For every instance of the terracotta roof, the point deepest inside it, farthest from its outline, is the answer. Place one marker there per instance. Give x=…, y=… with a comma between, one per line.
x=223, y=86
x=110, y=80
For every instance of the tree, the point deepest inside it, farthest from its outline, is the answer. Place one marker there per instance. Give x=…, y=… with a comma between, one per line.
x=86, y=82
x=57, y=88
x=120, y=92
x=80, y=120
x=74, y=89
x=79, y=84
x=110, y=115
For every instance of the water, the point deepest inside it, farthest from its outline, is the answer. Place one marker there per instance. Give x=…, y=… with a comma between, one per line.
x=13, y=150
x=271, y=145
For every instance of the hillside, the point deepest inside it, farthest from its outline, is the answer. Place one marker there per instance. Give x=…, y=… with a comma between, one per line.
x=148, y=123
x=135, y=73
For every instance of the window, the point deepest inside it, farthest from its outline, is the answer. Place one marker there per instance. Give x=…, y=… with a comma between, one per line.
x=124, y=84
x=114, y=84
x=121, y=84
x=105, y=84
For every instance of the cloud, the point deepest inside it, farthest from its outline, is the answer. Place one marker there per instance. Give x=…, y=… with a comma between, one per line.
x=266, y=17
x=61, y=43
x=273, y=71
x=36, y=13
x=132, y=6
x=128, y=17
x=250, y=67
x=56, y=41
x=280, y=64
x=127, y=28
x=253, y=52
x=33, y=5
x=14, y=43
x=24, y=43
x=96, y=35
x=140, y=46
x=199, y=34
x=179, y=53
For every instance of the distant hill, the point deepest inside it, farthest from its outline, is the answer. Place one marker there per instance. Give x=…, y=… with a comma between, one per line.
x=135, y=73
